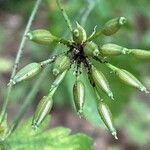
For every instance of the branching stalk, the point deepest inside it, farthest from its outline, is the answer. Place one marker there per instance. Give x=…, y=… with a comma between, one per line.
x=96, y=35
x=18, y=57
x=90, y=6
x=65, y=15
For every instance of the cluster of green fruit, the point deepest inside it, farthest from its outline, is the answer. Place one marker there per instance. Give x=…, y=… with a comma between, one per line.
x=81, y=51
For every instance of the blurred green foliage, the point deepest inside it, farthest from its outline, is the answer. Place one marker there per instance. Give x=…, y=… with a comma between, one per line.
x=136, y=34
x=25, y=138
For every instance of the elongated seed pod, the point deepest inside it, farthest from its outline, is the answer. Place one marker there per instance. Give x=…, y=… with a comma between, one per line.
x=27, y=72
x=106, y=116
x=42, y=36
x=112, y=50
x=113, y=25
x=91, y=49
x=101, y=81
x=61, y=63
x=141, y=54
x=79, y=34
x=128, y=78
x=131, y=80
x=79, y=96
x=42, y=110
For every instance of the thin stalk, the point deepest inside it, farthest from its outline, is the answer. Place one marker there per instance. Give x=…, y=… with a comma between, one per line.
x=65, y=15
x=48, y=61
x=56, y=83
x=18, y=57
x=112, y=67
x=90, y=6
x=65, y=42
x=96, y=35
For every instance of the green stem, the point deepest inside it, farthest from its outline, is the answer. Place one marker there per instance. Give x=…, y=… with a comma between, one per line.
x=90, y=6
x=48, y=61
x=18, y=57
x=96, y=35
x=65, y=15
x=65, y=42
x=56, y=83
x=112, y=67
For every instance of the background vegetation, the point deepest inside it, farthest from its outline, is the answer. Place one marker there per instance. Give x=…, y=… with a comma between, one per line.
x=131, y=108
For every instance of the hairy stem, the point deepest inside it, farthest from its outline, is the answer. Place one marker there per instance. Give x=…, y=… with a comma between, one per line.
x=18, y=57
x=65, y=15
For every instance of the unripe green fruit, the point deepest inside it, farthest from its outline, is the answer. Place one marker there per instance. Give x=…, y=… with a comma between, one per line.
x=113, y=25
x=42, y=110
x=106, y=116
x=128, y=78
x=27, y=72
x=79, y=34
x=101, y=81
x=79, y=96
x=138, y=53
x=61, y=63
x=112, y=50
x=91, y=49
x=42, y=36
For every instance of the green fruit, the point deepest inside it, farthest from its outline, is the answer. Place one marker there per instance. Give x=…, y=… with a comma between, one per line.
x=79, y=34
x=113, y=25
x=128, y=78
x=112, y=50
x=27, y=72
x=101, y=81
x=42, y=36
x=79, y=96
x=42, y=110
x=141, y=54
x=91, y=49
x=106, y=116
x=61, y=63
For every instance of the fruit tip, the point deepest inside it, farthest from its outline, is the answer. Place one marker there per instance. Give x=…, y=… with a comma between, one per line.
x=11, y=82
x=115, y=135
x=143, y=89
x=56, y=71
x=96, y=52
x=125, y=51
x=147, y=92
x=29, y=36
x=122, y=20
x=80, y=113
x=111, y=95
x=34, y=126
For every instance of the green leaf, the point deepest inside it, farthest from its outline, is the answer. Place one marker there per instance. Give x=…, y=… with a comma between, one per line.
x=25, y=138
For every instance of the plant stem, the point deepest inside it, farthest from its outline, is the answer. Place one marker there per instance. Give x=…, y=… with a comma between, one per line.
x=65, y=42
x=90, y=6
x=65, y=15
x=48, y=61
x=18, y=57
x=112, y=67
x=97, y=34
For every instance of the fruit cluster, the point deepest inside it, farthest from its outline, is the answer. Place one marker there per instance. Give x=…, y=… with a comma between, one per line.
x=79, y=55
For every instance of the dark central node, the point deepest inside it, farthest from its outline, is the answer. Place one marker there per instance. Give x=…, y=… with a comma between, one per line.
x=78, y=53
